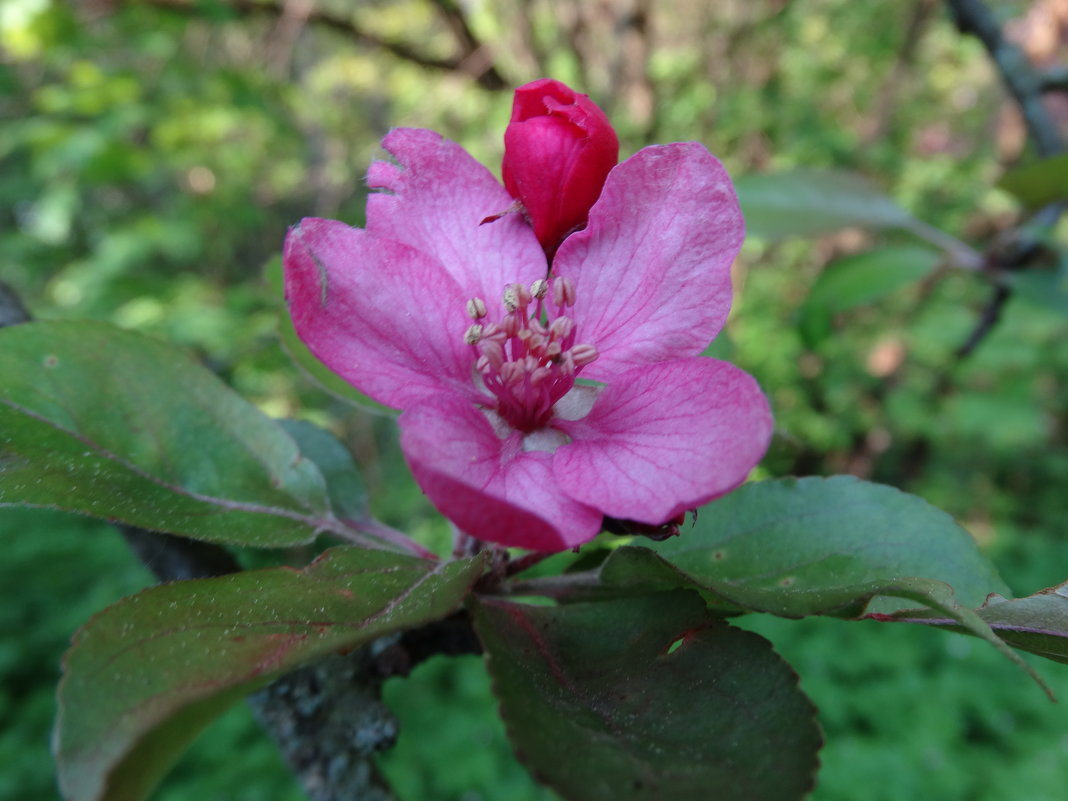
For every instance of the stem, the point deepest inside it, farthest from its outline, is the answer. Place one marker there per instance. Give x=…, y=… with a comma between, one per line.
x=521, y=563
x=960, y=254
x=553, y=586
x=380, y=531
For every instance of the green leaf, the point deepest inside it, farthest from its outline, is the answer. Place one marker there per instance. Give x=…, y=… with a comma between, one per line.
x=648, y=698
x=796, y=547
x=809, y=202
x=1039, y=182
x=1037, y=623
x=348, y=496
x=1043, y=287
x=861, y=279
x=146, y=675
x=115, y=425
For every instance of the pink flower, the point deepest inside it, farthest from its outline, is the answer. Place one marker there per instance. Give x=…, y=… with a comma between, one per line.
x=558, y=150
x=454, y=322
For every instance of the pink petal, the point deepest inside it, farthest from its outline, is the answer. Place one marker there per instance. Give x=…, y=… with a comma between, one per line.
x=652, y=268
x=488, y=486
x=665, y=438
x=382, y=316
x=435, y=201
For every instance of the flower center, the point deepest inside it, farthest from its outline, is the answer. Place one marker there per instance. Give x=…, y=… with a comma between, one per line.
x=529, y=360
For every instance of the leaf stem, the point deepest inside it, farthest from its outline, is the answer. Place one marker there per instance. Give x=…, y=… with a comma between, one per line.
x=380, y=531
x=553, y=586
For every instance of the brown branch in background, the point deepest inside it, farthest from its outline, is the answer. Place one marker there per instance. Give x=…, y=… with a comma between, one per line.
x=1026, y=86
x=527, y=39
x=12, y=312
x=887, y=98
x=1022, y=80
x=1055, y=79
x=472, y=62
x=475, y=57
x=634, y=33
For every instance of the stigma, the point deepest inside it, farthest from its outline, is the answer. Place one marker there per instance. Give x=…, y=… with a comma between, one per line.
x=529, y=360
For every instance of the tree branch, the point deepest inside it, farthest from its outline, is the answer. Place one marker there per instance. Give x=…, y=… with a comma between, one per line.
x=12, y=312
x=1026, y=86
x=472, y=60
x=1020, y=77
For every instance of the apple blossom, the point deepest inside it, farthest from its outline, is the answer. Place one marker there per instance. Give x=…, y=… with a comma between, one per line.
x=536, y=404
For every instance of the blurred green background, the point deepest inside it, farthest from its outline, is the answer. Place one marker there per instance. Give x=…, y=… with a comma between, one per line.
x=152, y=155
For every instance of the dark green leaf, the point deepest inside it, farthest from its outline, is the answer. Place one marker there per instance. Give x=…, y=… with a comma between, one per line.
x=144, y=676
x=811, y=202
x=1039, y=182
x=648, y=698
x=1043, y=287
x=348, y=497
x=861, y=279
x=796, y=547
x=115, y=425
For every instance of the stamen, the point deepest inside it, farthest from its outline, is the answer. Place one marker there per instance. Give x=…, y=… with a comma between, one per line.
x=527, y=361
x=476, y=308
x=516, y=296
x=563, y=291
x=561, y=327
x=473, y=334
x=493, y=351
x=583, y=354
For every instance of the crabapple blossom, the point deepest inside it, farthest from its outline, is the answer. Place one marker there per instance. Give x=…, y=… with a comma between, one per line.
x=536, y=403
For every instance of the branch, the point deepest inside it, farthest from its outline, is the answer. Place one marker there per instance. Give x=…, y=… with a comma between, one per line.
x=472, y=62
x=1055, y=79
x=1020, y=77
x=12, y=312
x=1026, y=85
x=475, y=56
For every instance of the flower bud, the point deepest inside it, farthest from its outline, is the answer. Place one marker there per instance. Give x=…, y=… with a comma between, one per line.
x=558, y=150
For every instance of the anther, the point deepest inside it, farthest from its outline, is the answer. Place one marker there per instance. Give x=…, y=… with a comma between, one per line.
x=516, y=296
x=493, y=352
x=540, y=288
x=476, y=308
x=563, y=291
x=473, y=334
x=583, y=354
x=561, y=327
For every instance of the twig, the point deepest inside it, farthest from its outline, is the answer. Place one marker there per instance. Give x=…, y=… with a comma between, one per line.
x=1055, y=79
x=12, y=312
x=1024, y=83
x=468, y=62
x=475, y=58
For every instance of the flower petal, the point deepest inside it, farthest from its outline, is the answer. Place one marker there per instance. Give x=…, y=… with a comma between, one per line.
x=665, y=438
x=652, y=268
x=490, y=487
x=382, y=316
x=435, y=201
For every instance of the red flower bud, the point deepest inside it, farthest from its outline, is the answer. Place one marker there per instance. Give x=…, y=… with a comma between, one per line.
x=558, y=150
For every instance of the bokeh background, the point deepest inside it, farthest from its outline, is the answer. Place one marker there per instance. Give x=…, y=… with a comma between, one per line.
x=153, y=153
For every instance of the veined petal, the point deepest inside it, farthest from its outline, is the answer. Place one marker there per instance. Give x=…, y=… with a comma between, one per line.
x=488, y=486
x=435, y=200
x=665, y=438
x=381, y=315
x=652, y=268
